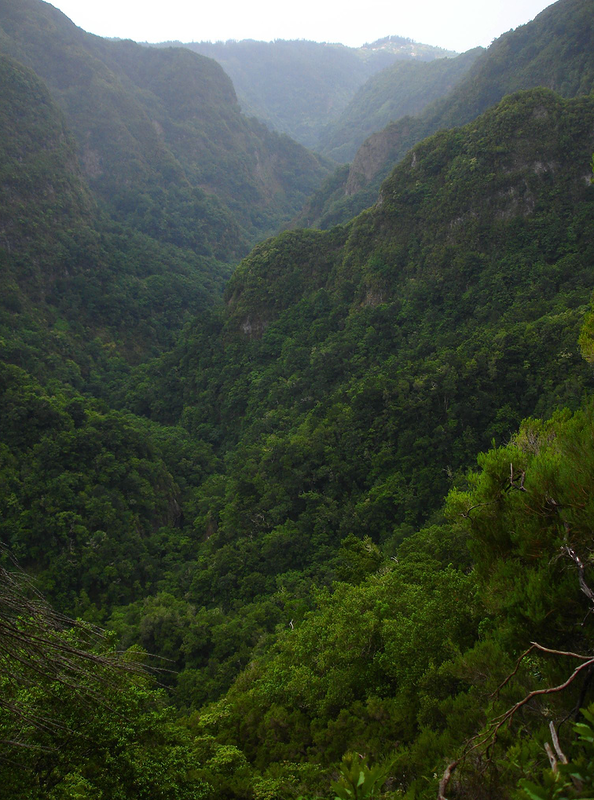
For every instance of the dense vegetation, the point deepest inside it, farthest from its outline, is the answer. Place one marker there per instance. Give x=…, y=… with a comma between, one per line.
x=278, y=496
x=356, y=372
x=298, y=87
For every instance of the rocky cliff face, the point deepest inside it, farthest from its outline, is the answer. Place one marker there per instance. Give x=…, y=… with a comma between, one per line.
x=374, y=153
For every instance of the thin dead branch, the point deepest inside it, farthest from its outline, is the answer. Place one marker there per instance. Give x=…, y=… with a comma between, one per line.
x=513, y=479
x=551, y=757
x=542, y=649
x=466, y=514
x=40, y=645
x=445, y=779
x=581, y=570
x=555, y=739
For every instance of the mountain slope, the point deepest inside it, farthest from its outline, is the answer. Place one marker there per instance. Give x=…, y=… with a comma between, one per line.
x=42, y=193
x=300, y=434
x=160, y=135
x=78, y=290
x=555, y=50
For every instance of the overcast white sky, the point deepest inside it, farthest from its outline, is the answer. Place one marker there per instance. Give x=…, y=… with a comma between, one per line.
x=455, y=24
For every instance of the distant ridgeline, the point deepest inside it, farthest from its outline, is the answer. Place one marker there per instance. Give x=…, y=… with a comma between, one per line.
x=299, y=87
x=253, y=488
x=554, y=50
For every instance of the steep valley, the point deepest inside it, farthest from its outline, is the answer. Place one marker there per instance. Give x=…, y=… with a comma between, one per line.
x=295, y=513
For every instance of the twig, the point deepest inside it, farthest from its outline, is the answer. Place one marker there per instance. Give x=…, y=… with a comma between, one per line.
x=465, y=514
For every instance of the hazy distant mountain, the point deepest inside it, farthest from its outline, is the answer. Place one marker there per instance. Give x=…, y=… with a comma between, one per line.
x=69, y=272
x=298, y=87
x=405, y=87
x=129, y=182
x=555, y=50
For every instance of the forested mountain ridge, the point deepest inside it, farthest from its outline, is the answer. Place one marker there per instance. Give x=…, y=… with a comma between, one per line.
x=131, y=183
x=297, y=87
x=81, y=298
x=160, y=136
x=70, y=275
x=555, y=50
x=402, y=89
x=352, y=376
x=462, y=215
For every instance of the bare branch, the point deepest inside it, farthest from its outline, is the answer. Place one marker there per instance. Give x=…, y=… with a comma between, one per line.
x=515, y=670
x=512, y=480
x=508, y=715
x=551, y=756
x=543, y=649
x=37, y=644
x=445, y=779
x=569, y=653
x=466, y=514
x=489, y=737
x=555, y=739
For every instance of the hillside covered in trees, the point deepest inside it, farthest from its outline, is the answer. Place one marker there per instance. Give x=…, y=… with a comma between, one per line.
x=315, y=522
x=160, y=136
